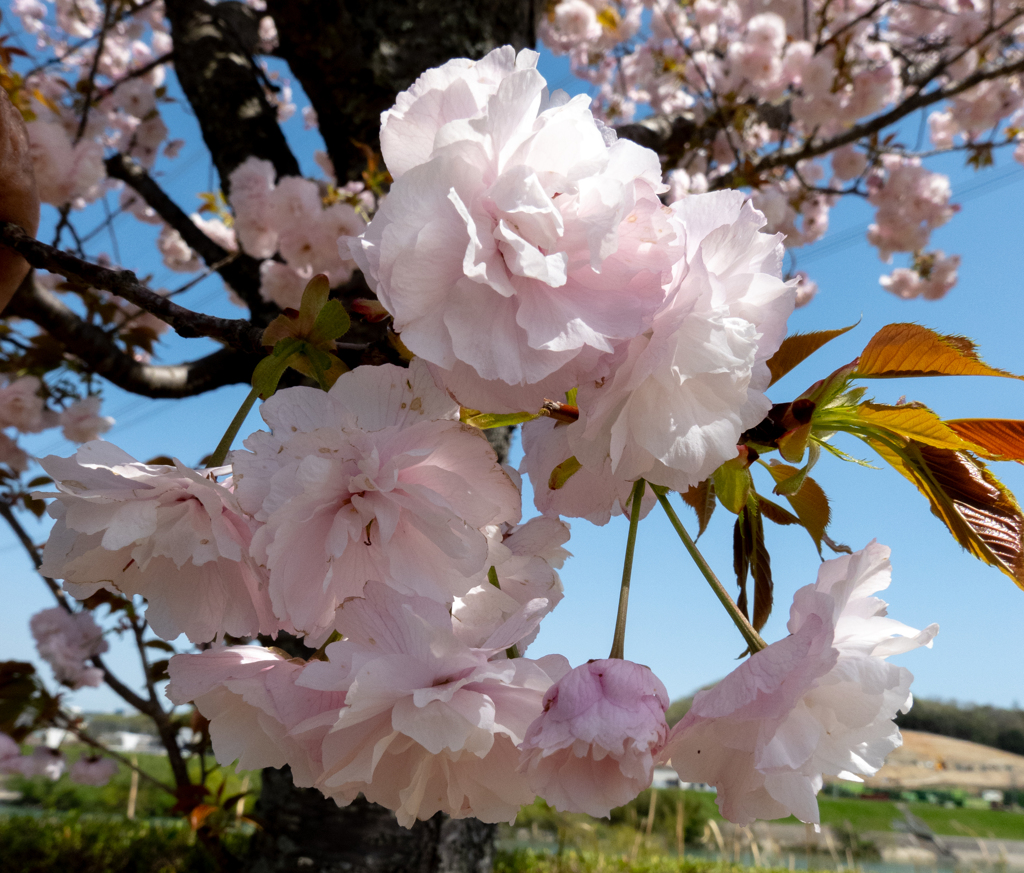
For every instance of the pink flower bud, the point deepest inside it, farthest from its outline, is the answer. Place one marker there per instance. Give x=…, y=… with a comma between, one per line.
x=593, y=747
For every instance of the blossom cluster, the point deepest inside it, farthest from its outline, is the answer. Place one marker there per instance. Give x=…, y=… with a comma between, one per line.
x=66, y=641
x=23, y=410
x=50, y=763
x=524, y=256
x=811, y=72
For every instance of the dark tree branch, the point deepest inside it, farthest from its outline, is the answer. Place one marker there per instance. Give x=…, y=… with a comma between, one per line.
x=235, y=332
x=240, y=271
x=222, y=83
x=98, y=352
x=353, y=56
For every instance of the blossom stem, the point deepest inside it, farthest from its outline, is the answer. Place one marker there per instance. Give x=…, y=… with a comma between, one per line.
x=619, y=640
x=752, y=637
x=221, y=452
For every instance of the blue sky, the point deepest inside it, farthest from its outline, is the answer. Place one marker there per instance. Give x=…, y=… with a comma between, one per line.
x=676, y=626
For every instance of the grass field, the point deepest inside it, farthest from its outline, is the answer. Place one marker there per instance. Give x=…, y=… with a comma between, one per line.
x=878, y=815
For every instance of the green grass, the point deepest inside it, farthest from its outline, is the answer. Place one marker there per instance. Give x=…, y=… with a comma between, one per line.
x=878, y=815
x=528, y=861
x=94, y=844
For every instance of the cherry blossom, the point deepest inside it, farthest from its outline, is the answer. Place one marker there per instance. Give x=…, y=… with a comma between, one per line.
x=66, y=641
x=175, y=536
x=429, y=724
x=593, y=748
x=374, y=480
x=92, y=771
x=252, y=699
x=682, y=393
x=522, y=235
x=819, y=702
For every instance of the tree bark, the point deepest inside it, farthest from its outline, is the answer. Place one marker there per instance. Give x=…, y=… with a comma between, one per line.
x=305, y=832
x=353, y=56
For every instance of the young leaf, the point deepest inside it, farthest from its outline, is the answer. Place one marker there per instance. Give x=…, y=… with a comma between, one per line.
x=998, y=439
x=775, y=513
x=979, y=511
x=732, y=480
x=912, y=350
x=809, y=503
x=487, y=420
x=561, y=474
x=702, y=498
x=796, y=348
x=914, y=422
x=750, y=556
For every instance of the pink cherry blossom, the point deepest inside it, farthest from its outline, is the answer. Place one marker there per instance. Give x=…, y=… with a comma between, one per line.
x=66, y=641
x=42, y=761
x=374, y=480
x=93, y=771
x=21, y=406
x=10, y=754
x=819, y=702
x=593, y=748
x=81, y=422
x=682, y=393
x=252, y=699
x=524, y=558
x=595, y=494
x=429, y=724
x=171, y=534
x=523, y=237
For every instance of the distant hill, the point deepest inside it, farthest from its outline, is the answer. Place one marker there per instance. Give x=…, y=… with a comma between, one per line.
x=987, y=725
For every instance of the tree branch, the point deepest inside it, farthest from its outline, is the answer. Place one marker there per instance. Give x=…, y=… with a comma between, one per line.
x=235, y=332
x=240, y=271
x=100, y=354
x=221, y=81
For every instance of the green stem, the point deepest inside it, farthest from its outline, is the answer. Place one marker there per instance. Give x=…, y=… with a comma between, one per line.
x=619, y=640
x=221, y=452
x=752, y=637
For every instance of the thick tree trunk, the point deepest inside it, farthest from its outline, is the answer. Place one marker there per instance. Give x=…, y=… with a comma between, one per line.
x=353, y=56
x=305, y=832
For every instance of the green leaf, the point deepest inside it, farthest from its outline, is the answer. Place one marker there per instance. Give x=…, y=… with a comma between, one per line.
x=331, y=322
x=912, y=350
x=269, y=371
x=487, y=420
x=561, y=474
x=702, y=498
x=798, y=347
x=733, y=483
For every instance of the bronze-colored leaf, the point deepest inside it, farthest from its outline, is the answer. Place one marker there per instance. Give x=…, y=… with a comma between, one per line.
x=979, y=511
x=701, y=498
x=796, y=348
x=773, y=512
x=912, y=350
x=1001, y=439
x=809, y=503
x=914, y=422
x=750, y=557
